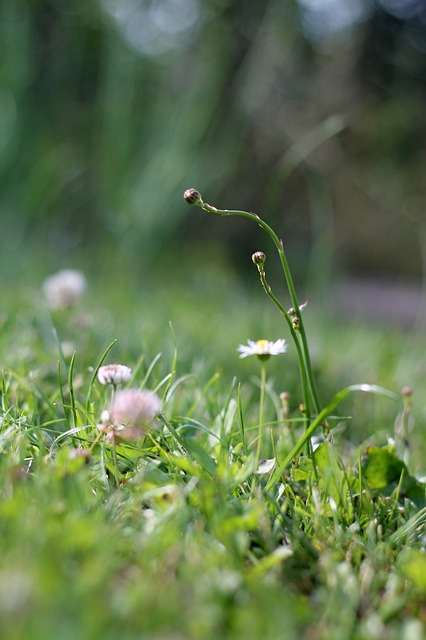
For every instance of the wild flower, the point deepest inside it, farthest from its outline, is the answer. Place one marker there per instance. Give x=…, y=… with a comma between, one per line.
x=263, y=349
x=114, y=374
x=132, y=411
x=64, y=288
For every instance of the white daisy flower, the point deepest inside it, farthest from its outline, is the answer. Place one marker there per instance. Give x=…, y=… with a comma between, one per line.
x=262, y=348
x=114, y=374
x=64, y=288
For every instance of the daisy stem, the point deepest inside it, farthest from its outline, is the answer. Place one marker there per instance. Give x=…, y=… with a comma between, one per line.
x=303, y=353
x=261, y=411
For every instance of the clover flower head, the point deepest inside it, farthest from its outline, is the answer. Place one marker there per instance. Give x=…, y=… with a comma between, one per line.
x=64, y=288
x=263, y=349
x=114, y=374
x=132, y=411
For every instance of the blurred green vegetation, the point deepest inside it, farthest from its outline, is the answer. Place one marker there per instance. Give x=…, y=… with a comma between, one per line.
x=309, y=112
x=109, y=109
x=176, y=552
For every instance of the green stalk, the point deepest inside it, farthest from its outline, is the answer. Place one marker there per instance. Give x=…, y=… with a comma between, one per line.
x=261, y=411
x=193, y=197
x=290, y=285
x=302, y=370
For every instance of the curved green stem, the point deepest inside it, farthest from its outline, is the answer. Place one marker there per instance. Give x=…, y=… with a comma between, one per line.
x=303, y=354
x=302, y=369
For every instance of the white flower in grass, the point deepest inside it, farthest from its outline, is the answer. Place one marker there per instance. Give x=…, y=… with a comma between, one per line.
x=266, y=466
x=132, y=411
x=64, y=288
x=262, y=348
x=114, y=374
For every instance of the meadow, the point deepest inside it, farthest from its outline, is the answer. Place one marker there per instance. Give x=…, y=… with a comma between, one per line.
x=245, y=504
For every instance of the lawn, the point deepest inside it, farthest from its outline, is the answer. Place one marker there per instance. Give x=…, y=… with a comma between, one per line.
x=231, y=512
x=154, y=484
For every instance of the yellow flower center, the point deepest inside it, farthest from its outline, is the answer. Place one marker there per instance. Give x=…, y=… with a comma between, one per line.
x=263, y=352
x=263, y=344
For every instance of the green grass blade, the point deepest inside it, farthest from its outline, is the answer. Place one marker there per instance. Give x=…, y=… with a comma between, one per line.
x=95, y=372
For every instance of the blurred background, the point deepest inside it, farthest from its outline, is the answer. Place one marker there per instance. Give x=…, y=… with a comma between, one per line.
x=309, y=112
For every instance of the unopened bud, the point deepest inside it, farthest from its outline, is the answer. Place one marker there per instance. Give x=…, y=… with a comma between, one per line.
x=292, y=310
x=259, y=258
x=192, y=196
x=285, y=404
x=407, y=393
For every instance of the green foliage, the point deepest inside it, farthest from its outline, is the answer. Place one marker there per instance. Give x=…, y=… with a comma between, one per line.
x=230, y=516
x=108, y=109
x=383, y=470
x=194, y=540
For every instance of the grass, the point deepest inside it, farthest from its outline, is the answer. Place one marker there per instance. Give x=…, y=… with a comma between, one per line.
x=193, y=543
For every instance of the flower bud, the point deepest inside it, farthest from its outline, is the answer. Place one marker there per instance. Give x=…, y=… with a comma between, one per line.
x=407, y=393
x=296, y=323
x=285, y=404
x=192, y=196
x=259, y=258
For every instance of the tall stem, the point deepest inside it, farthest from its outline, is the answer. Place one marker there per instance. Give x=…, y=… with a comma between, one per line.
x=303, y=353
x=261, y=411
x=302, y=369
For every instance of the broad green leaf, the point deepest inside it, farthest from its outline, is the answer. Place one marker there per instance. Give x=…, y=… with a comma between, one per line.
x=384, y=471
x=382, y=467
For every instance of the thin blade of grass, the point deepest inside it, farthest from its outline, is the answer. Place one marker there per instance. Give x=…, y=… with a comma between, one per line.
x=149, y=371
x=174, y=365
x=95, y=372
x=71, y=389
x=210, y=383
x=241, y=422
x=61, y=393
